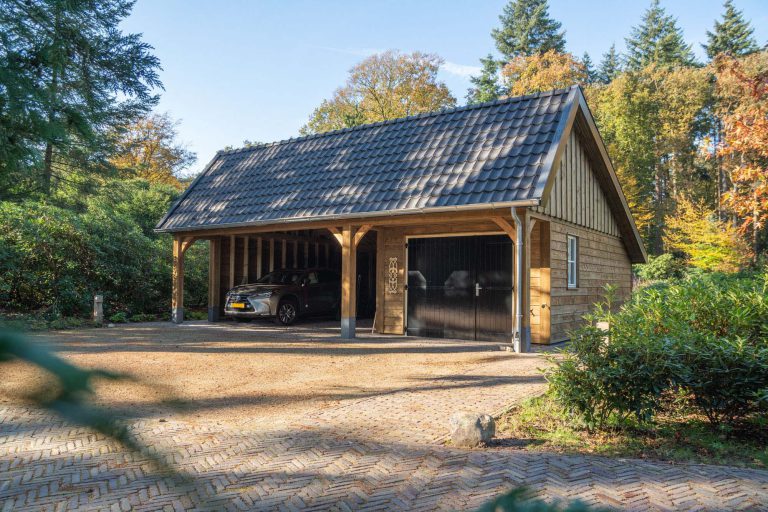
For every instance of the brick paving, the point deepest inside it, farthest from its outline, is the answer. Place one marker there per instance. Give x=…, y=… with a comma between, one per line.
x=381, y=452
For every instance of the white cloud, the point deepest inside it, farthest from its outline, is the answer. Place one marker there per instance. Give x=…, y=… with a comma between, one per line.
x=461, y=70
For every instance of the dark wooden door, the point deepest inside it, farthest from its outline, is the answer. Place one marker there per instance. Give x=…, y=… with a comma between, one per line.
x=460, y=287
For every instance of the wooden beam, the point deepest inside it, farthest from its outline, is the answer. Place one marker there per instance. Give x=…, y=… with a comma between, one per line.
x=259, y=262
x=214, y=279
x=271, y=254
x=187, y=243
x=348, y=283
x=177, y=299
x=283, y=253
x=336, y=234
x=295, y=254
x=232, y=246
x=505, y=226
x=246, y=258
x=332, y=225
x=365, y=228
x=381, y=280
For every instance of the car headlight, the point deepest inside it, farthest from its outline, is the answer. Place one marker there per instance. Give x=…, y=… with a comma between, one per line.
x=263, y=295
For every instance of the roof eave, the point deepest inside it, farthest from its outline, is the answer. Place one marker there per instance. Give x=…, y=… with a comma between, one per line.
x=361, y=216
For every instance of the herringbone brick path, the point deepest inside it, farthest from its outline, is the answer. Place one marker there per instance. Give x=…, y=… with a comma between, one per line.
x=375, y=453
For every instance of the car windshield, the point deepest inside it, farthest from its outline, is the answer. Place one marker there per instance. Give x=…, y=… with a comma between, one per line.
x=280, y=277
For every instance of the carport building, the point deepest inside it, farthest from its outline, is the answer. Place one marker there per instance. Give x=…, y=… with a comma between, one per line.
x=498, y=221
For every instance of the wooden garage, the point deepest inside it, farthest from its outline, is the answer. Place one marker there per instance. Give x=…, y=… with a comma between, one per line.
x=498, y=221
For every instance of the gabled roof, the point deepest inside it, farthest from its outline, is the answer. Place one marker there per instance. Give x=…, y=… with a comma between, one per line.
x=494, y=154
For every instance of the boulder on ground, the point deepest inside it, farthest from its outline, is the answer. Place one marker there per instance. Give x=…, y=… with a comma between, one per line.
x=471, y=429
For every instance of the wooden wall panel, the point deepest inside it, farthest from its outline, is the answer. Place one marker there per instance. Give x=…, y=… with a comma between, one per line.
x=576, y=195
x=602, y=260
x=393, y=313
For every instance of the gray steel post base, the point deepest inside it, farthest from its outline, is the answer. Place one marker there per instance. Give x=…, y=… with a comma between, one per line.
x=177, y=315
x=348, y=328
x=213, y=314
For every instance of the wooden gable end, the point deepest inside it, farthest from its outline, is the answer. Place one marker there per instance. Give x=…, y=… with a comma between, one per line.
x=577, y=195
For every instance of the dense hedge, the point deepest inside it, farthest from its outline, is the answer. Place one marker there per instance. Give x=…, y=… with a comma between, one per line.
x=705, y=336
x=53, y=259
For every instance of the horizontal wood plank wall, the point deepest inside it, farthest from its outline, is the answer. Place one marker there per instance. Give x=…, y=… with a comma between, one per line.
x=577, y=196
x=602, y=260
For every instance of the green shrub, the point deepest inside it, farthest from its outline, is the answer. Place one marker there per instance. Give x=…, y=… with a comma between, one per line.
x=724, y=376
x=665, y=266
x=119, y=318
x=143, y=317
x=706, y=335
x=196, y=315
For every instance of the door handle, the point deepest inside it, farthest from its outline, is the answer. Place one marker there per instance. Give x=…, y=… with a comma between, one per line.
x=477, y=289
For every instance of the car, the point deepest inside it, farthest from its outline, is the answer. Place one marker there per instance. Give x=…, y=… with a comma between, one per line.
x=286, y=295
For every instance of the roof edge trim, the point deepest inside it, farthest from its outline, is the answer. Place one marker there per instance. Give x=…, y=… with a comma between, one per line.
x=364, y=215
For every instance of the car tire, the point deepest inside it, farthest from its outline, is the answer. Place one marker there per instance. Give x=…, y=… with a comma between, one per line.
x=287, y=311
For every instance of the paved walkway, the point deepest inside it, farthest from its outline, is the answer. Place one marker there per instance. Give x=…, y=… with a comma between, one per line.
x=383, y=452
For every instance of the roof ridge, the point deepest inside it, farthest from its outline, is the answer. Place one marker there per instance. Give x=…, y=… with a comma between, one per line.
x=434, y=113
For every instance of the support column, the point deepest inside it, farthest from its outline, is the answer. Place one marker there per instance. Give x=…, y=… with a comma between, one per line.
x=177, y=300
x=214, y=279
x=523, y=278
x=348, y=282
x=232, y=248
x=246, y=269
x=259, y=248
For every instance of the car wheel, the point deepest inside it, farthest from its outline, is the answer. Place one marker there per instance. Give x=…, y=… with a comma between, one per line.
x=286, y=313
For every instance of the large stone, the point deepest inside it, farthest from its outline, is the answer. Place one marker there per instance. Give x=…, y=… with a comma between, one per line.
x=471, y=429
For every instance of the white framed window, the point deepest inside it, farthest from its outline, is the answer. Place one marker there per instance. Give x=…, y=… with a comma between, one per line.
x=573, y=261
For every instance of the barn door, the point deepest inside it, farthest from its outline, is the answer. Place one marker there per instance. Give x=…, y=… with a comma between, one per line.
x=460, y=287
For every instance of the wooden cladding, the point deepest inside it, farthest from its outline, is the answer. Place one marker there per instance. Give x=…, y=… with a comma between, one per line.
x=577, y=195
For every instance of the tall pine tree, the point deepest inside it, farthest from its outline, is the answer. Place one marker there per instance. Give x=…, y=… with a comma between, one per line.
x=589, y=68
x=485, y=86
x=658, y=40
x=68, y=75
x=610, y=66
x=527, y=29
x=733, y=35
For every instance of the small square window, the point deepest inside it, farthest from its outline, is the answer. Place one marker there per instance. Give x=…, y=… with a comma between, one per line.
x=573, y=261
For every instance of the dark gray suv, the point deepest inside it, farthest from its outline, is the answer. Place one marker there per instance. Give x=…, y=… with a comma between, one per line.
x=286, y=295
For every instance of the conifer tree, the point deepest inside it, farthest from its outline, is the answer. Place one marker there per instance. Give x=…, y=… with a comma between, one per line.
x=610, y=66
x=527, y=29
x=658, y=40
x=486, y=85
x=71, y=76
x=733, y=35
x=589, y=68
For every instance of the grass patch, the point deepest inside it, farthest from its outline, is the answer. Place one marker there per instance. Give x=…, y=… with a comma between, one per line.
x=677, y=434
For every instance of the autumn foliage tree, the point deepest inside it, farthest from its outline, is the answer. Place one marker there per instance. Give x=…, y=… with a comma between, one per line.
x=542, y=72
x=148, y=148
x=384, y=86
x=742, y=95
x=707, y=242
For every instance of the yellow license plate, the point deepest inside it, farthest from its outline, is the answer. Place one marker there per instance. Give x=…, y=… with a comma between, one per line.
x=238, y=305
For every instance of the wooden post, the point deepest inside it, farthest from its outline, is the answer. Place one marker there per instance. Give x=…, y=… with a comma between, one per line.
x=177, y=300
x=295, y=254
x=245, y=260
x=545, y=284
x=381, y=280
x=271, y=254
x=348, y=282
x=214, y=279
x=232, y=246
x=259, y=262
x=283, y=251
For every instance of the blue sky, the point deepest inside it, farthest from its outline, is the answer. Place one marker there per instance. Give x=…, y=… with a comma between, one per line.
x=240, y=69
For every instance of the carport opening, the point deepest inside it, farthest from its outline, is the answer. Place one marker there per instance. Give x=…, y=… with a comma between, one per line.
x=246, y=258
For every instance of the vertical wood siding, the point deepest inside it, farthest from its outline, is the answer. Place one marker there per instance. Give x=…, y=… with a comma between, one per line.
x=576, y=195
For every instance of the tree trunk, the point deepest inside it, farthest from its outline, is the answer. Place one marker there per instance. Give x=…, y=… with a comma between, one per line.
x=48, y=169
